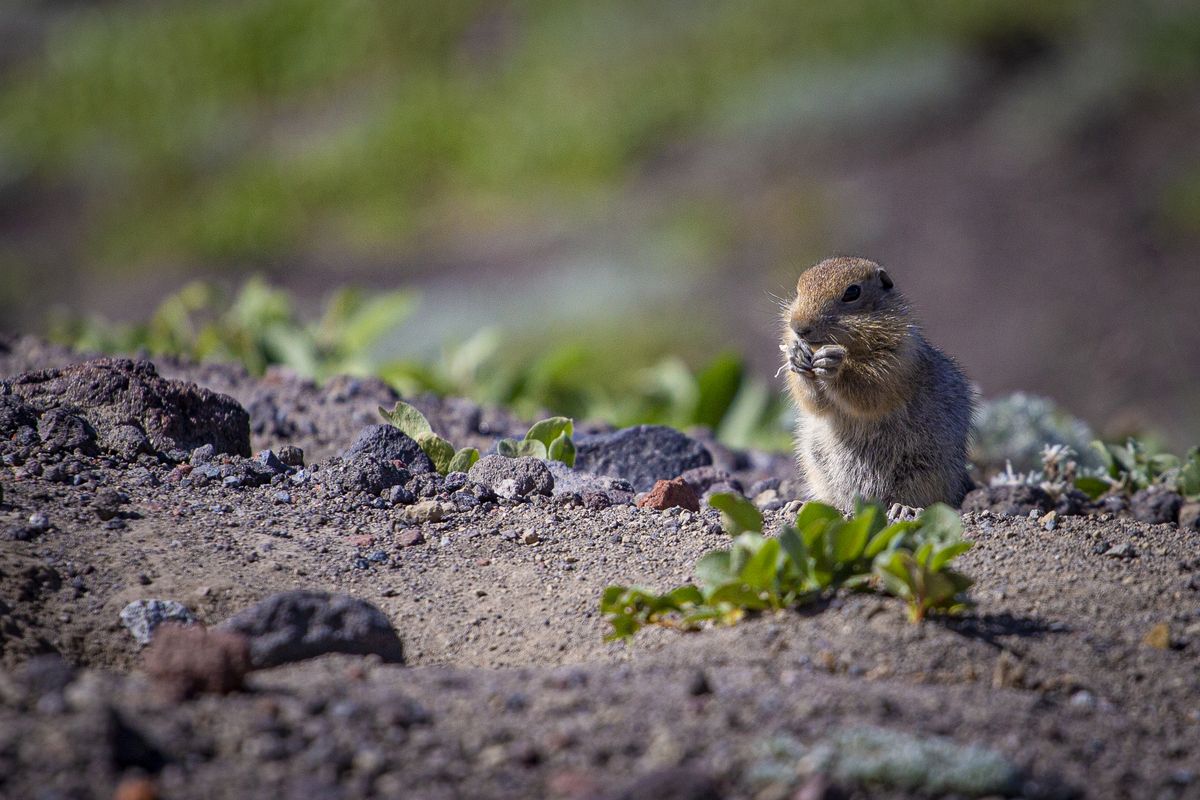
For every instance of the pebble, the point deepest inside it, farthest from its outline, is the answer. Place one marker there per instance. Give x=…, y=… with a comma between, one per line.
x=281, y=498
x=410, y=538
x=530, y=536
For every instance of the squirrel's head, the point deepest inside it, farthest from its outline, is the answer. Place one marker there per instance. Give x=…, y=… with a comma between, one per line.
x=851, y=302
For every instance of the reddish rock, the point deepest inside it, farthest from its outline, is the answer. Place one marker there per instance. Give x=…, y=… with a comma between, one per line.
x=410, y=538
x=361, y=540
x=675, y=493
x=186, y=660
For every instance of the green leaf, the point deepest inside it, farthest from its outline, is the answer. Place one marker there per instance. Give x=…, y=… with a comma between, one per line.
x=1189, y=474
x=713, y=569
x=850, y=538
x=947, y=553
x=793, y=545
x=940, y=521
x=562, y=449
x=511, y=448
x=738, y=594
x=463, y=460
x=737, y=513
x=1092, y=486
x=411, y=422
x=892, y=533
x=440, y=452
x=717, y=385
x=812, y=511
x=762, y=567
x=685, y=595
x=547, y=430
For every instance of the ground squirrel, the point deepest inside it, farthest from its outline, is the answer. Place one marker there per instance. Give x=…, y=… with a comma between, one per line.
x=882, y=413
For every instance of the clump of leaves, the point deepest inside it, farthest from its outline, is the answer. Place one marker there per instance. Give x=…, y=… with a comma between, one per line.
x=413, y=424
x=1134, y=466
x=257, y=326
x=820, y=553
x=549, y=439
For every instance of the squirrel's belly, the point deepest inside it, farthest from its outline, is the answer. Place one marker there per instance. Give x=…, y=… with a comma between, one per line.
x=840, y=468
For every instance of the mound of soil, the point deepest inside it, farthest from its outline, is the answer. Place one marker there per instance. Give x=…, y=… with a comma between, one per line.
x=1075, y=674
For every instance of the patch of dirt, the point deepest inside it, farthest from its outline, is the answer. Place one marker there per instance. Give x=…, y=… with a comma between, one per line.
x=509, y=689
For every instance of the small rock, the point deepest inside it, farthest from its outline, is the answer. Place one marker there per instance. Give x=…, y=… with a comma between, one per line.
x=39, y=522
x=513, y=477
x=703, y=478
x=281, y=498
x=671, y=783
x=400, y=496
x=385, y=443
x=1016, y=500
x=1156, y=505
x=1122, y=550
x=1049, y=521
x=641, y=455
x=1189, y=516
x=187, y=660
x=202, y=455
x=674, y=493
x=1158, y=637
x=301, y=624
x=426, y=511
x=530, y=536
x=568, y=481
x=142, y=617
x=136, y=787
x=107, y=503
x=271, y=461
x=410, y=537
x=291, y=456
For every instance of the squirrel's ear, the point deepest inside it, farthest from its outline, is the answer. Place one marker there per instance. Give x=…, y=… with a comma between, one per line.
x=885, y=279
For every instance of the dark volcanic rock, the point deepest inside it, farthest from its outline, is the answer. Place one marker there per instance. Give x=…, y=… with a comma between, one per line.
x=63, y=431
x=641, y=455
x=111, y=394
x=1189, y=516
x=1156, y=505
x=1015, y=500
x=387, y=443
x=293, y=626
x=703, y=478
x=513, y=477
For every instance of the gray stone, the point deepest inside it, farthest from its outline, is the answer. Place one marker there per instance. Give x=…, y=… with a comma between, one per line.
x=1014, y=500
x=641, y=455
x=387, y=443
x=1156, y=505
x=573, y=481
x=513, y=477
x=141, y=617
x=297, y=625
x=112, y=392
x=701, y=479
x=63, y=431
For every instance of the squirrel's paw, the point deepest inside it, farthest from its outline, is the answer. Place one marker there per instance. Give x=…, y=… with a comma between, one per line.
x=827, y=360
x=902, y=513
x=799, y=358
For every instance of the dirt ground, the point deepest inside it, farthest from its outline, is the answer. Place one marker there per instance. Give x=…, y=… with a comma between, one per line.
x=1061, y=671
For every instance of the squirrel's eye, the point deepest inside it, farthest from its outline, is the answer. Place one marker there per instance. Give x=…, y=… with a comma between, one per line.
x=852, y=293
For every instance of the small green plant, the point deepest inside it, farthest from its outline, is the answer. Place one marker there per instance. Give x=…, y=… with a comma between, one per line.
x=413, y=424
x=1134, y=466
x=549, y=439
x=257, y=326
x=821, y=552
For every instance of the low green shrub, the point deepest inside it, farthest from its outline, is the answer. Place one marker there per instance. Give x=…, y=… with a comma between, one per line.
x=820, y=553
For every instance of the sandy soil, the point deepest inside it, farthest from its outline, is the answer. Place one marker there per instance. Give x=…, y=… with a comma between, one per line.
x=509, y=689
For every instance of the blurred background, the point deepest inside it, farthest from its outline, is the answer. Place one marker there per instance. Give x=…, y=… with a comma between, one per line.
x=591, y=206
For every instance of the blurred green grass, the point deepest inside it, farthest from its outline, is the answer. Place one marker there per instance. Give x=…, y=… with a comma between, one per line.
x=227, y=132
